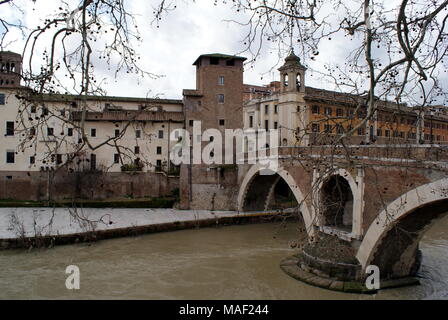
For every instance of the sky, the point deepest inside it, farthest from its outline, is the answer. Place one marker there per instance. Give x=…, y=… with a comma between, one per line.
x=193, y=28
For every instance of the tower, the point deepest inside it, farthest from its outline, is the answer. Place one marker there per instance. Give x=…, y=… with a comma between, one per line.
x=292, y=74
x=10, y=69
x=217, y=102
x=218, y=98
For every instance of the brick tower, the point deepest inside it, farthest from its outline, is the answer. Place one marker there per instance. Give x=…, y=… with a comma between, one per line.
x=217, y=102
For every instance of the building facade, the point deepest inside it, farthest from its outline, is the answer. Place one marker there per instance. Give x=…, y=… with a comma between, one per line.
x=51, y=142
x=306, y=115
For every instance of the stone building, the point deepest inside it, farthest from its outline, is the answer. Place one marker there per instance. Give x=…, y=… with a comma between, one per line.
x=306, y=115
x=125, y=151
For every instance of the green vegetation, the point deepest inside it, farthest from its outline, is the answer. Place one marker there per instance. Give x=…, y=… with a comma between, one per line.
x=160, y=202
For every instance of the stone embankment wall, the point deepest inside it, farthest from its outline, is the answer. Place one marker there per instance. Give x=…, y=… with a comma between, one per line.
x=53, y=185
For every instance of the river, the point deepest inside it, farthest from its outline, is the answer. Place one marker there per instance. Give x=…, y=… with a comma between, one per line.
x=232, y=262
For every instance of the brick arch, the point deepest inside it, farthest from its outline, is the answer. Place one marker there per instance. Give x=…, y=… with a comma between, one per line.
x=287, y=177
x=344, y=174
x=426, y=202
x=357, y=193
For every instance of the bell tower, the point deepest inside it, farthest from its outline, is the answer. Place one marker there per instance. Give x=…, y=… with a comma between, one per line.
x=292, y=74
x=10, y=69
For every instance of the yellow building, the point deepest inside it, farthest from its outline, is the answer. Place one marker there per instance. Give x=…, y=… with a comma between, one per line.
x=306, y=115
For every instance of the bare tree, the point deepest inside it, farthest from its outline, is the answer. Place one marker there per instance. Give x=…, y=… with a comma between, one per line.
x=67, y=47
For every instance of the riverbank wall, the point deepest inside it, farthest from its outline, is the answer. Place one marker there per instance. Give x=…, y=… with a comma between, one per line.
x=46, y=227
x=95, y=185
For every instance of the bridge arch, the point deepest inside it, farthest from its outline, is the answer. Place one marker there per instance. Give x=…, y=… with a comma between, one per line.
x=271, y=181
x=391, y=241
x=339, y=202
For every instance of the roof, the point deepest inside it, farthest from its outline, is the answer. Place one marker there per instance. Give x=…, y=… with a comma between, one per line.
x=219, y=55
x=292, y=60
x=70, y=97
x=191, y=92
x=130, y=115
x=10, y=53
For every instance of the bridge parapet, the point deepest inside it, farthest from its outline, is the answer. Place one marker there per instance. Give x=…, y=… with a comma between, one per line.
x=414, y=155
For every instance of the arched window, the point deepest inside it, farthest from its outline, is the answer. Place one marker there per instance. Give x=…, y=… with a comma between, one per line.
x=284, y=142
x=285, y=80
x=298, y=81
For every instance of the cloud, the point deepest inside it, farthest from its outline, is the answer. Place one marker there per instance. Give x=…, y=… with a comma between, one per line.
x=192, y=29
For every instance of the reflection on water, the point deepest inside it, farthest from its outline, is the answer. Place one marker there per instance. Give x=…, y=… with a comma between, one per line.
x=235, y=262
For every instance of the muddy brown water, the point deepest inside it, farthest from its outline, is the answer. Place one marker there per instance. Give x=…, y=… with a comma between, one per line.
x=232, y=262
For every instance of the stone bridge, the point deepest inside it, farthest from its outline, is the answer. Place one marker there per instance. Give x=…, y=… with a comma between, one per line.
x=378, y=199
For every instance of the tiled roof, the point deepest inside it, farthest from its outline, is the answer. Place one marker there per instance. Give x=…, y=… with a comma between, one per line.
x=70, y=97
x=130, y=115
x=219, y=55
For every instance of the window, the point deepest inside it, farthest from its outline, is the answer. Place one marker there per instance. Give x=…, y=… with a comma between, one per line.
x=315, y=127
x=220, y=98
x=159, y=150
x=33, y=109
x=116, y=158
x=160, y=134
x=360, y=131
x=221, y=80
x=340, y=128
x=360, y=115
x=266, y=124
x=379, y=132
x=276, y=109
x=387, y=133
x=32, y=131
x=70, y=132
x=2, y=98
x=32, y=160
x=298, y=108
x=138, y=133
x=230, y=62
x=190, y=123
x=350, y=114
x=136, y=149
x=315, y=110
x=50, y=131
x=158, y=165
x=93, y=162
x=328, y=111
x=251, y=121
x=275, y=125
x=62, y=112
x=327, y=128
x=93, y=132
x=266, y=109
x=221, y=122
x=339, y=113
x=10, y=155
x=117, y=133
x=44, y=111
x=9, y=128
x=58, y=158
x=214, y=60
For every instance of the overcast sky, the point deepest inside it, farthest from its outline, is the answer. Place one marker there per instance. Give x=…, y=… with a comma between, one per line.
x=184, y=34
